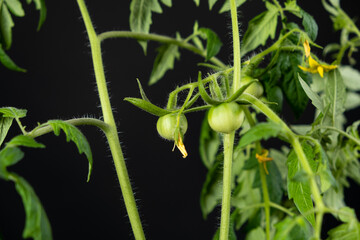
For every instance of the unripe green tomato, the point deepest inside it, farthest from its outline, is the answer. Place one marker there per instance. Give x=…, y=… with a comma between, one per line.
x=166, y=125
x=255, y=89
x=226, y=117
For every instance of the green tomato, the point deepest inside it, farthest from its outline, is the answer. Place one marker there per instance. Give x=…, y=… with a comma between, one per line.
x=166, y=125
x=226, y=117
x=255, y=89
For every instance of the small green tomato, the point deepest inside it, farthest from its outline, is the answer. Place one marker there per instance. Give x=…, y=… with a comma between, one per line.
x=255, y=89
x=226, y=117
x=166, y=125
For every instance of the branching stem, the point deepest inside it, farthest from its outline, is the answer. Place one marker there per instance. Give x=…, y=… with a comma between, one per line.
x=111, y=134
x=161, y=39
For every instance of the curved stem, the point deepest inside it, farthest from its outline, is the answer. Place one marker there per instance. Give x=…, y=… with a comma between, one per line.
x=46, y=128
x=111, y=133
x=294, y=141
x=226, y=195
x=236, y=46
x=281, y=208
x=158, y=38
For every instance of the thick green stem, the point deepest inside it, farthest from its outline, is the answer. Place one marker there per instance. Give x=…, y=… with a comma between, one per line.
x=236, y=46
x=226, y=195
x=111, y=133
x=158, y=38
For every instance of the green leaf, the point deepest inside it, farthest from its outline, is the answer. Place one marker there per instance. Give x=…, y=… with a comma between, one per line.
x=259, y=132
x=75, y=135
x=197, y=2
x=167, y=2
x=5, y=124
x=256, y=234
x=211, y=3
x=140, y=16
x=164, y=61
x=142, y=93
x=15, y=7
x=288, y=65
x=209, y=143
x=226, y=6
x=335, y=94
x=37, y=224
x=12, y=112
x=300, y=191
x=7, y=62
x=345, y=231
x=351, y=77
x=40, y=6
x=24, y=141
x=260, y=29
x=323, y=171
x=147, y=106
x=292, y=229
x=274, y=182
x=6, y=24
x=9, y=156
x=315, y=99
x=310, y=25
x=292, y=7
x=211, y=191
x=213, y=42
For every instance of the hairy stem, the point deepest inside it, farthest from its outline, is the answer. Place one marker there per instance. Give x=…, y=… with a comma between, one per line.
x=111, y=134
x=46, y=128
x=236, y=46
x=226, y=195
x=159, y=38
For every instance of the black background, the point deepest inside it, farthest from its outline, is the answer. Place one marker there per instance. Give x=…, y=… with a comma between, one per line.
x=60, y=84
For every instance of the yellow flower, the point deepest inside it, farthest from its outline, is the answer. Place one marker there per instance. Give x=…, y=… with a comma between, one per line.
x=314, y=66
x=180, y=145
x=263, y=158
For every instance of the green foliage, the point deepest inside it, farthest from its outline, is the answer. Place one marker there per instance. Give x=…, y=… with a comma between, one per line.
x=211, y=191
x=261, y=131
x=5, y=124
x=8, y=7
x=209, y=144
x=213, y=42
x=260, y=29
x=37, y=225
x=140, y=16
x=164, y=61
x=300, y=191
x=292, y=229
x=335, y=95
x=75, y=135
x=315, y=99
x=147, y=106
x=287, y=64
